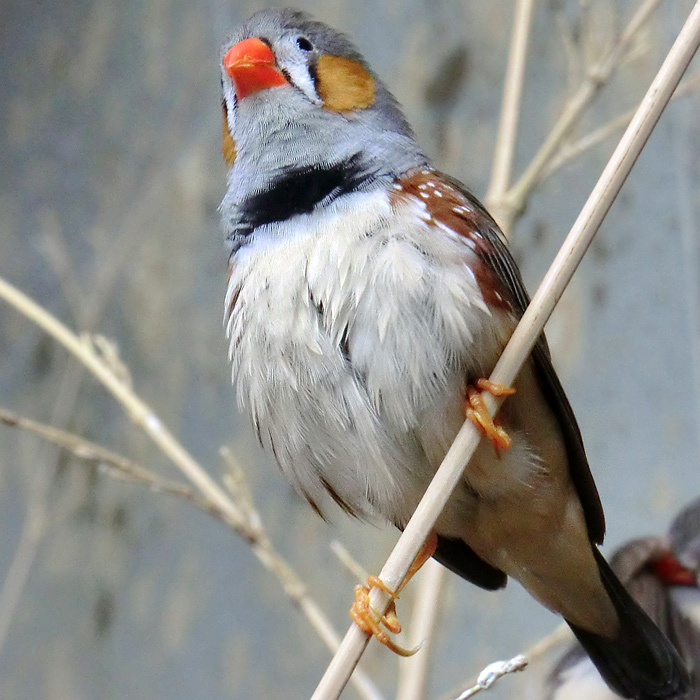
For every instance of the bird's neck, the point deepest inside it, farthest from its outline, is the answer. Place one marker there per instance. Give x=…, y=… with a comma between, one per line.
x=308, y=182
x=285, y=168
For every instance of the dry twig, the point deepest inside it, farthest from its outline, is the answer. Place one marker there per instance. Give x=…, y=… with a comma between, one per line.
x=510, y=108
x=414, y=669
x=349, y=562
x=512, y=202
x=106, y=461
x=571, y=150
x=492, y=673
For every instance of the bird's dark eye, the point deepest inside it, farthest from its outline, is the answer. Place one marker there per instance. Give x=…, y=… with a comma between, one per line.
x=304, y=44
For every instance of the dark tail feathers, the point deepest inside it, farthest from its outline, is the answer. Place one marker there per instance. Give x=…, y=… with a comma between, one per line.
x=640, y=663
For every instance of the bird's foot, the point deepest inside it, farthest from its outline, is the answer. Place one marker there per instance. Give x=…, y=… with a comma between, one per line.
x=479, y=415
x=370, y=621
x=379, y=625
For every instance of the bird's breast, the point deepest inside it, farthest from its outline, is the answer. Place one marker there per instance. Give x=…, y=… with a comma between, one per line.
x=346, y=329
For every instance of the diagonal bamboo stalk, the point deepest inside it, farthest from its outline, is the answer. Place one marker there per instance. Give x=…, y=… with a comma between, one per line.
x=522, y=341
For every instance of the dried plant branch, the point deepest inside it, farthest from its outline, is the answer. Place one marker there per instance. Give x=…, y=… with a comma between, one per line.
x=569, y=151
x=521, y=342
x=414, y=669
x=510, y=108
x=217, y=501
x=236, y=482
x=349, y=562
x=514, y=200
x=111, y=463
x=561, y=634
x=139, y=412
x=571, y=54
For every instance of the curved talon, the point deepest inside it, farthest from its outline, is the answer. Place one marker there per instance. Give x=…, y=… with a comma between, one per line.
x=370, y=621
x=478, y=413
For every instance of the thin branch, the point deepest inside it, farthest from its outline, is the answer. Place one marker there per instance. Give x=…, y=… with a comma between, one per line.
x=349, y=562
x=561, y=634
x=110, y=463
x=236, y=482
x=514, y=200
x=33, y=529
x=510, y=107
x=571, y=52
x=39, y=502
x=140, y=413
x=521, y=342
x=414, y=669
x=569, y=151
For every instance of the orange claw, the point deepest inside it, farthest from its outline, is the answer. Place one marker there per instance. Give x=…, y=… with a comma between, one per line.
x=370, y=621
x=479, y=415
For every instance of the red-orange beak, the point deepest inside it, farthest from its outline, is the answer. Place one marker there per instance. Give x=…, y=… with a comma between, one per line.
x=251, y=66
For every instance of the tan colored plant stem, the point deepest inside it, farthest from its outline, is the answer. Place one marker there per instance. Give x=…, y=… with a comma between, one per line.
x=510, y=109
x=570, y=151
x=512, y=202
x=559, y=636
x=414, y=669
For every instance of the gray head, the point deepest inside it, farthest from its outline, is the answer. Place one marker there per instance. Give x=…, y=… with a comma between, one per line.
x=297, y=95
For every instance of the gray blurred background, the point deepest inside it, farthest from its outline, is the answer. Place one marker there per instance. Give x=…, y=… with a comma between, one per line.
x=110, y=176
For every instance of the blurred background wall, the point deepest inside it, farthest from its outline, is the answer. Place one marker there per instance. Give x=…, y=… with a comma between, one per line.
x=110, y=176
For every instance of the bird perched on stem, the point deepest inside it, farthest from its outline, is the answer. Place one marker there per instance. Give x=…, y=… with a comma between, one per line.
x=369, y=295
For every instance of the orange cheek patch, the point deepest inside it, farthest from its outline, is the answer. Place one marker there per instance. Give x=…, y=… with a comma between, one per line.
x=343, y=84
x=228, y=145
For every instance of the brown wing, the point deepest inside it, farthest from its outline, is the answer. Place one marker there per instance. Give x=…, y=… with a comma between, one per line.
x=458, y=209
x=498, y=257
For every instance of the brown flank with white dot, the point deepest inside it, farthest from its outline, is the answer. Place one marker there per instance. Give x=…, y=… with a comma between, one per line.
x=449, y=207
